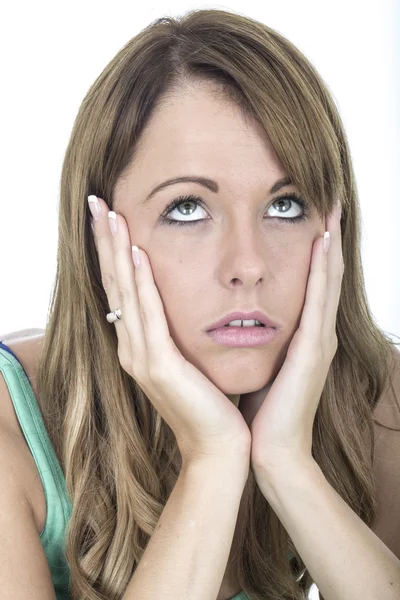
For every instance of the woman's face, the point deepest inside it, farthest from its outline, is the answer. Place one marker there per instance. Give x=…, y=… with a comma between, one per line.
x=244, y=255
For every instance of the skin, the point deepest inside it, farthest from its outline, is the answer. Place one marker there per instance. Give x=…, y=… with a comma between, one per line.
x=244, y=256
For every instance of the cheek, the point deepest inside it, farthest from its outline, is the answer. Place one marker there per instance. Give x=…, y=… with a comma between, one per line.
x=291, y=277
x=178, y=282
x=182, y=278
x=292, y=271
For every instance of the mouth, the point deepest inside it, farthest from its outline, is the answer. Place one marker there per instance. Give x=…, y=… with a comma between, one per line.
x=243, y=337
x=238, y=319
x=241, y=326
x=256, y=325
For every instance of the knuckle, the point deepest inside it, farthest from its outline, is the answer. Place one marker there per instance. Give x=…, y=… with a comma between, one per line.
x=157, y=373
x=338, y=274
x=107, y=280
x=138, y=374
x=124, y=295
x=124, y=359
x=331, y=346
x=142, y=379
x=334, y=345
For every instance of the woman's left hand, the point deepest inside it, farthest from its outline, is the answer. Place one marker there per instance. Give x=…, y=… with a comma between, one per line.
x=282, y=428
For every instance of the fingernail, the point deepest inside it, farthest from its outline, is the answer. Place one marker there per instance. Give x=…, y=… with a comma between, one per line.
x=95, y=207
x=112, y=220
x=135, y=255
x=327, y=239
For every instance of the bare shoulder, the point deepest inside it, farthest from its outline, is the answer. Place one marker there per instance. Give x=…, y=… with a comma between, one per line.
x=24, y=570
x=27, y=349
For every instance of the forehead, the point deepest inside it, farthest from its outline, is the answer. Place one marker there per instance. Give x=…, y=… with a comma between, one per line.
x=198, y=125
x=197, y=132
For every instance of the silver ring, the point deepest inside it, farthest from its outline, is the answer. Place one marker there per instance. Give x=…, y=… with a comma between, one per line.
x=115, y=315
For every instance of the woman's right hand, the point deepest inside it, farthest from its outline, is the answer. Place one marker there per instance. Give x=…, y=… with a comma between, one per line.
x=204, y=421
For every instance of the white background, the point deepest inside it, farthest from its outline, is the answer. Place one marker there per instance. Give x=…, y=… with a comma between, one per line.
x=51, y=54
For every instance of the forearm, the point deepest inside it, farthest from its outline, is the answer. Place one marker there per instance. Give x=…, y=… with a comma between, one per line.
x=187, y=554
x=345, y=558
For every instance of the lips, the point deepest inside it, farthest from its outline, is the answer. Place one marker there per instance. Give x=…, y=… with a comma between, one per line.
x=243, y=316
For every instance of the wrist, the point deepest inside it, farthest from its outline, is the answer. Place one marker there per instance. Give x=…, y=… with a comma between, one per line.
x=274, y=475
x=230, y=468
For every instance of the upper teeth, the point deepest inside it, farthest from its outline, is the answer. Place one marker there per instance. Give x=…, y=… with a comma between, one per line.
x=250, y=323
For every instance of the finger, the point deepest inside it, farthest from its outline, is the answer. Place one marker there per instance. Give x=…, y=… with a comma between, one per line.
x=126, y=288
x=137, y=288
x=335, y=274
x=311, y=323
x=323, y=288
x=158, y=338
x=103, y=242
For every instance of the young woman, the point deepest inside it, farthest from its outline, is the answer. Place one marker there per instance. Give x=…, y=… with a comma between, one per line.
x=204, y=423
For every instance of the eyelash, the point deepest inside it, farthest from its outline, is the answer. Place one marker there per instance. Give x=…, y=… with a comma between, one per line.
x=197, y=200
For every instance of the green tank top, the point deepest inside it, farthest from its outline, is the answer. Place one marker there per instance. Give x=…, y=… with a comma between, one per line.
x=58, y=505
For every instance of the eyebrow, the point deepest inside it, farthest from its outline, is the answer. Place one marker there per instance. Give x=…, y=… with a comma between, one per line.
x=210, y=184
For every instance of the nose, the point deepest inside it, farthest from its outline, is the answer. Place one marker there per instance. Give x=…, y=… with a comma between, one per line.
x=244, y=257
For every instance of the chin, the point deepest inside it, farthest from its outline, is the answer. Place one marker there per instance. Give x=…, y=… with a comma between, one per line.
x=240, y=388
x=233, y=377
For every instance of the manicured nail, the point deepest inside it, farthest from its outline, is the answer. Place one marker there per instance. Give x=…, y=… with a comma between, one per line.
x=112, y=220
x=95, y=207
x=135, y=255
x=327, y=239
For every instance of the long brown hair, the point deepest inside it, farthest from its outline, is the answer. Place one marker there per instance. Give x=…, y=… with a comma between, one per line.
x=120, y=458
